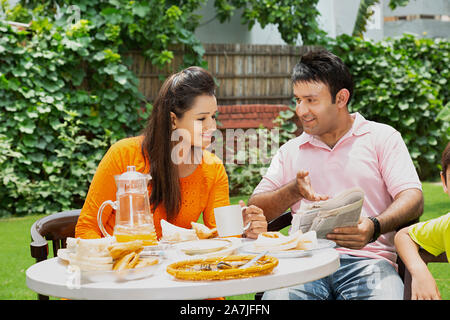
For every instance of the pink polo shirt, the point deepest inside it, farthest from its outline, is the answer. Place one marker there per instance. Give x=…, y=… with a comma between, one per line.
x=370, y=155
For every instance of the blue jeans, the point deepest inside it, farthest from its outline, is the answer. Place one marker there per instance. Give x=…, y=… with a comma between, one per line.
x=357, y=278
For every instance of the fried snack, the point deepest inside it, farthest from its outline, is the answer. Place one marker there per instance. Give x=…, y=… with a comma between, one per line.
x=275, y=241
x=120, y=249
x=145, y=262
x=272, y=234
x=307, y=241
x=124, y=262
x=279, y=243
x=303, y=245
x=133, y=262
x=206, y=269
x=203, y=232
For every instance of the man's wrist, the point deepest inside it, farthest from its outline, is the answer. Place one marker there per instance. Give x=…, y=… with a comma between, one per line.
x=376, y=229
x=294, y=192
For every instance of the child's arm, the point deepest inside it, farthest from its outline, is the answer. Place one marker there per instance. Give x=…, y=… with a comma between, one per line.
x=423, y=285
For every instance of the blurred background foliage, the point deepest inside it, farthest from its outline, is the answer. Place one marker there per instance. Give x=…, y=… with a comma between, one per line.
x=67, y=92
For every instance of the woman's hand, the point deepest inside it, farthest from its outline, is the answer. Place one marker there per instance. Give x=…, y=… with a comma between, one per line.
x=254, y=216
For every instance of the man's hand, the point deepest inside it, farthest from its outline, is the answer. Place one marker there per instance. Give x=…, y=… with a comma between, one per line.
x=254, y=216
x=304, y=189
x=353, y=237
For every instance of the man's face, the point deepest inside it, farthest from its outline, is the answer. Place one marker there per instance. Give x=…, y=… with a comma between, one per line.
x=314, y=108
x=444, y=184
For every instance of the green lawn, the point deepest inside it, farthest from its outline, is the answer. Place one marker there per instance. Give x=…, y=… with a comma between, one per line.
x=15, y=250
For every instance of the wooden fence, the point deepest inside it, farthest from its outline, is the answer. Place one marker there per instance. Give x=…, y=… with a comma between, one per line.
x=246, y=74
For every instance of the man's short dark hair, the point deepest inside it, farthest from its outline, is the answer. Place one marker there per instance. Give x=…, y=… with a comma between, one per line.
x=445, y=161
x=321, y=65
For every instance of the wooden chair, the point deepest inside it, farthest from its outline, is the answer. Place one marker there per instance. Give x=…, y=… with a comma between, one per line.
x=285, y=220
x=55, y=227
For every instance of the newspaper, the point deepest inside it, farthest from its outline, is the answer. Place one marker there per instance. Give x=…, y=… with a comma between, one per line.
x=323, y=216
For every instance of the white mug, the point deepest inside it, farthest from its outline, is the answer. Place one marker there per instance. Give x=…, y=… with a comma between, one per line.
x=229, y=221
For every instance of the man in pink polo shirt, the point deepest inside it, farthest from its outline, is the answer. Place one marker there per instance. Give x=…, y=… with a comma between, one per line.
x=337, y=151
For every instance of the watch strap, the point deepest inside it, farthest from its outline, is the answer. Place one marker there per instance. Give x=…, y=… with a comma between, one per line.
x=376, y=229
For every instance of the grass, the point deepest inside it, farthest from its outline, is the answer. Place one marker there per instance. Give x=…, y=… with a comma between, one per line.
x=15, y=250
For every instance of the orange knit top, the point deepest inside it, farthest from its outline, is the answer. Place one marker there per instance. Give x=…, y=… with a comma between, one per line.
x=202, y=191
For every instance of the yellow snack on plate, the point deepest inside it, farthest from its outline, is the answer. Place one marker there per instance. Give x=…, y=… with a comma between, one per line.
x=221, y=268
x=120, y=249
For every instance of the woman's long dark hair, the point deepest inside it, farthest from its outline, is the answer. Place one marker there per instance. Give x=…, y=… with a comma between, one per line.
x=176, y=95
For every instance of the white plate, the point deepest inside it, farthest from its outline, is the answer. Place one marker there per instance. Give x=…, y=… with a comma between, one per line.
x=203, y=246
x=321, y=244
x=110, y=275
x=119, y=276
x=63, y=254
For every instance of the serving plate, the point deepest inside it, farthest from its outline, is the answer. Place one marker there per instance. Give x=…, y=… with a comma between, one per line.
x=205, y=269
x=110, y=275
x=119, y=276
x=321, y=245
x=203, y=246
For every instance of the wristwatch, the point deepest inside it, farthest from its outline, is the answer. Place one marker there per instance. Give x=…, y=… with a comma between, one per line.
x=376, y=229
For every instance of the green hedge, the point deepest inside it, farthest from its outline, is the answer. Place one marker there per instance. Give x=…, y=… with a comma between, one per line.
x=403, y=82
x=64, y=97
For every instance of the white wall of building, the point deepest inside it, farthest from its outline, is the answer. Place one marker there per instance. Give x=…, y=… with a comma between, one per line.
x=336, y=17
x=421, y=27
x=233, y=31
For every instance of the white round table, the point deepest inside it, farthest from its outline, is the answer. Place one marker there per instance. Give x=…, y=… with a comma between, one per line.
x=50, y=277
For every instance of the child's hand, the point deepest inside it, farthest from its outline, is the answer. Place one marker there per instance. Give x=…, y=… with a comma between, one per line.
x=423, y=287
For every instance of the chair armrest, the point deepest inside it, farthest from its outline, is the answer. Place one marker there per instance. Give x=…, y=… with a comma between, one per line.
x=38, y=245
x=52, y=227
x=429, y=258
x=280, y=222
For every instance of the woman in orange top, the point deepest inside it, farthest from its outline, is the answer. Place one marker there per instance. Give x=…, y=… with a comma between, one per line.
x=186, y=179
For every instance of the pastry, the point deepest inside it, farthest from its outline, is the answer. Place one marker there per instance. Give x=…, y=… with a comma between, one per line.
x=221, y=268
x=203, y=232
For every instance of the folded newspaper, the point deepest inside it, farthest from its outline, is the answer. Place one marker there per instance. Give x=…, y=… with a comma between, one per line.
x=323, y=216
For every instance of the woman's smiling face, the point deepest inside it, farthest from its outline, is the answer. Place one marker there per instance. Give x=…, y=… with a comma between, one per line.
x=199, y=121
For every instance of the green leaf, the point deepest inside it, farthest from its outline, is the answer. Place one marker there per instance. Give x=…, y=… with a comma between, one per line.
x=19, y=72
x=286, y=114
x=121, y=78
x=432, y=141
x=99, y=56
x=43, y=108
x=444, y=114
x=289, y=127
x=141, y=9
x=27, y=126
x=47, y=99
x=36, y=157
x=403, y=106
x=29, y=140
x=78, y=76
